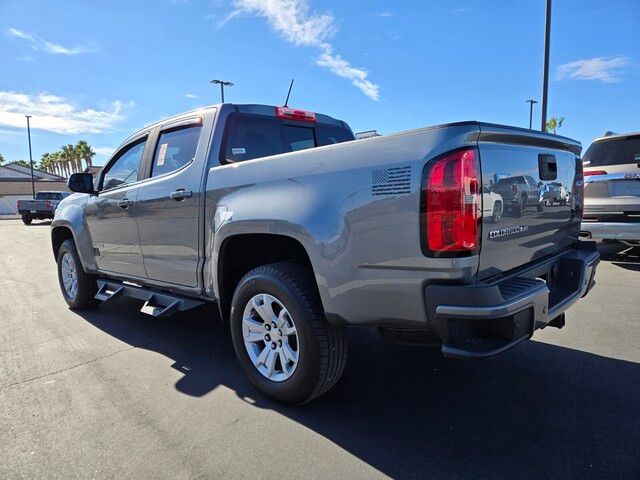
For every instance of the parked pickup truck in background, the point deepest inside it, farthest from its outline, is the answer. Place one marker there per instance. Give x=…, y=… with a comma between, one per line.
x=297, y=231
x=520, y=192
x=40, y=208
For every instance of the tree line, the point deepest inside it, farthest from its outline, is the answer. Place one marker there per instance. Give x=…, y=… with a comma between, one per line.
x=65, y=161
x=68, y=159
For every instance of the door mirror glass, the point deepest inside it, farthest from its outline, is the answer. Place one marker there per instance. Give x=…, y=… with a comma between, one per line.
x=81, y=183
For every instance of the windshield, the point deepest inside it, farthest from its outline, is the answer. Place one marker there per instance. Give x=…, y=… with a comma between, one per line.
x=612, y=152
x=255, y=136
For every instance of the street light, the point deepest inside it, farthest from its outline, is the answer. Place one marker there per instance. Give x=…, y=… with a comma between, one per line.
x=545, y=74
x=33, y=185
x=531, y=101
x=222, y=85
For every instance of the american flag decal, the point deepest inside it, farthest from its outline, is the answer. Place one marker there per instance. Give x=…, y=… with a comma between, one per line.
x=391, y=181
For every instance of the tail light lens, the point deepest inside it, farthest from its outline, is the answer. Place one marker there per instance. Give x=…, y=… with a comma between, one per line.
x=594, y=172
x=451, y=205
x=47, y=204
x=578, y=188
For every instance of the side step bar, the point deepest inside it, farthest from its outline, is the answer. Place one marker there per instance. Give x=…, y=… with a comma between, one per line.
x=157, y=304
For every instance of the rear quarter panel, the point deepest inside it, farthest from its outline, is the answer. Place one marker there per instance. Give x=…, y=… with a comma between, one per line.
x=364, y=245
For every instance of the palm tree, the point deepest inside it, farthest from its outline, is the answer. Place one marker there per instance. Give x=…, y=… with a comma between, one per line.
x=44, y=164
x=1, y=159
x=85, y=152
x=554, y=123
x=66, y=157
x=56, y=164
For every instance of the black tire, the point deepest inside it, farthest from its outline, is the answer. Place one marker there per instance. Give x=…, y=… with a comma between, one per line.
x=521, y=208
x=87, y=284
x=27, y=219
x=497, y=212
x=540, y=206
x=322, y=347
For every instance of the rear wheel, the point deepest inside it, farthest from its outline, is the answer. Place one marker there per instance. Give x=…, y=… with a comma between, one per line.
x=27, y=219
x=282, y=340
x=520, y=209
x=78, y=287
x=540, y=206
x=497, y=212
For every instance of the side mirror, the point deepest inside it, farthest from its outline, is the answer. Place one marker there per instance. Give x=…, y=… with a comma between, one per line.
x=81, y=183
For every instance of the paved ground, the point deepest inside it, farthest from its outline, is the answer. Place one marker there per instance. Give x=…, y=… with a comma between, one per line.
x=114, y=393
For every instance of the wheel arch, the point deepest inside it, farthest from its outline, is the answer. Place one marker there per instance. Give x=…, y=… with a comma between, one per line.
x=240, y=253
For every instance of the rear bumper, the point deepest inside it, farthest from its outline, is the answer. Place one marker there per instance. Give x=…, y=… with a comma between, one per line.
x=610, y=230
x=476, y=321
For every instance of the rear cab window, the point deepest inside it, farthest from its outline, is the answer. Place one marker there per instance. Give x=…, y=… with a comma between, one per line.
x=620, y=151
x=250, y=136
x=49, y=196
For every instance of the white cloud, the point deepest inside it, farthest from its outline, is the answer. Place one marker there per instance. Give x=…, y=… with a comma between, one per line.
x=380, y=15
x=45, y=46
x=106, y=151
x=292, y=20
x=57, y=114
x=599, y=68
x=336, y=64
x=190, y=95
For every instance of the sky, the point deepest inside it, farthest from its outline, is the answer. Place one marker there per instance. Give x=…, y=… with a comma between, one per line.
x=101, y=70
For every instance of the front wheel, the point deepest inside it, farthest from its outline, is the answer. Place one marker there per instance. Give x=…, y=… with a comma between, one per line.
x=78, y=287
x=282, y=340
x=541, y=206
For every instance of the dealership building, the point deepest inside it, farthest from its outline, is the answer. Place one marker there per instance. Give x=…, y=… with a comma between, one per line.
x=15, y=184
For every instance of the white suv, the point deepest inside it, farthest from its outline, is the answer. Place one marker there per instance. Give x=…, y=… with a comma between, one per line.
x=612, y=189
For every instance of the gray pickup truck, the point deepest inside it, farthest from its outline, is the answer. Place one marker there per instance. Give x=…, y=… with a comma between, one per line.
x=297, y=231
x=40, y=208
x=520, y=192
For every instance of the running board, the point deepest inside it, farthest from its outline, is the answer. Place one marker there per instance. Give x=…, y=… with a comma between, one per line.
x=157, y=304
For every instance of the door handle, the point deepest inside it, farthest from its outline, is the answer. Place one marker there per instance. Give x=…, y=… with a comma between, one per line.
x=125, y=203
x=180, y=194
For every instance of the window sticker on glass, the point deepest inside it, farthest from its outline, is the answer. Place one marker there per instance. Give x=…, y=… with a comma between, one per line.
x=162, y=153
x=238, y=151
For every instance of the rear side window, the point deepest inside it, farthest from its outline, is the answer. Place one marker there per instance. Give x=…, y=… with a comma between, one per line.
x=612, y=152
x=254, y=136
x=175, y=149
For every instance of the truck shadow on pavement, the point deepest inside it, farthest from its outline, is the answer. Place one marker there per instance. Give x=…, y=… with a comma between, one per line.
x=538, y=411
x=620, y=255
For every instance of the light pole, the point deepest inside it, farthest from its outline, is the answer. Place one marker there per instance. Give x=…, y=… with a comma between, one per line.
x=222, y=85
x=33, y=185
x=545, y=78
x=531, y=101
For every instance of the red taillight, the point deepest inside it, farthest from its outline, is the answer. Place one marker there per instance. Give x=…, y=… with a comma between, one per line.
x=295, y=114
x=578, y=188
x=594, y=172
x=47, y=204
x=452, y=204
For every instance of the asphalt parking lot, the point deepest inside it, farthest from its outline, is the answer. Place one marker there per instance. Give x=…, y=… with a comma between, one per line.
x=115, y=393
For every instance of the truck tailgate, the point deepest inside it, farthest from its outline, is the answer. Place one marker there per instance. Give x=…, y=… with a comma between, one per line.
x=34, y=205
x=529, y=227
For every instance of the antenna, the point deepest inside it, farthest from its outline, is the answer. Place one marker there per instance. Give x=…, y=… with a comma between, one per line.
x=286, y=102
